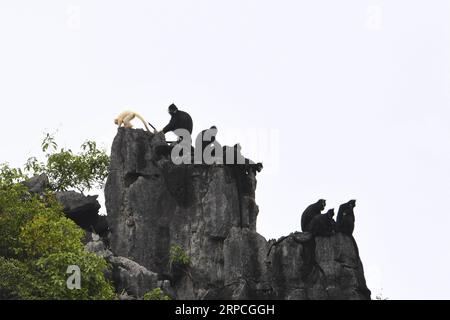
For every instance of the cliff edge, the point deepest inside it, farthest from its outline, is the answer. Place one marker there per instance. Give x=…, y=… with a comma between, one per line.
x=154, y=205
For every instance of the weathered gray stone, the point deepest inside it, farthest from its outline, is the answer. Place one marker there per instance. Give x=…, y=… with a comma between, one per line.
x=83, y=210
x=75, y=202
x=131, y=280
x=153, y=204
x=98, y=247
x=321, y=268
x=125, y=297
x=37, y=184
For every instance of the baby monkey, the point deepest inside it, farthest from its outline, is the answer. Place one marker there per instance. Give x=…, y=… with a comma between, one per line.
x=126, y=117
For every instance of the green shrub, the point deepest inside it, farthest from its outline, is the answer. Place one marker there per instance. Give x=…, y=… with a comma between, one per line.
x=156, y=294
x=179, y=257
x=52, y=271
x=18, y=207
x=48, y=234
x=67, y=170
x=16, y=280
x=10, y=176
x=37, y=242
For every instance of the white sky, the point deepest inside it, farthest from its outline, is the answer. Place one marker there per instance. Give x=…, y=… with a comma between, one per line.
x=353, y=93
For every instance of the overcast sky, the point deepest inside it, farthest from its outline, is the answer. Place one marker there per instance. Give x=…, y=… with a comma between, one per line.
x=339, y=99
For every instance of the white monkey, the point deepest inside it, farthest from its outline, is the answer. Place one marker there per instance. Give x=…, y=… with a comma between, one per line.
x=126, y=117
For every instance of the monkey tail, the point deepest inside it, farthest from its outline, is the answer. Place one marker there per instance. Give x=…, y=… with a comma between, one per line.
x=143, y=121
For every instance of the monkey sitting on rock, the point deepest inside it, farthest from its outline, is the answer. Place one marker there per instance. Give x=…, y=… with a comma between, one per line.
x=232, y=156
x=179, y=120
x=206, y=140
x=346, y=218
x=308, y=215
x=323, y=225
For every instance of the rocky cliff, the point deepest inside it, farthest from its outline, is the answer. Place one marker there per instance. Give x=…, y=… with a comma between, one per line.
x=210, y=212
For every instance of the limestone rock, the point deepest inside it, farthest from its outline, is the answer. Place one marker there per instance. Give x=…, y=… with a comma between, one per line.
x=37, y=184
x=131, y=280
x=83, y=210
x=210, y=212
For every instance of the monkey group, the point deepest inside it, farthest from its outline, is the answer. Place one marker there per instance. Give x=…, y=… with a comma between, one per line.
x=207, y=148
x=323, y=225
x=209, y=151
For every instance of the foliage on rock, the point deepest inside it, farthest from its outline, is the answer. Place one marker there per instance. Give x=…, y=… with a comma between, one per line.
x=156, y=294
x=179, y=257
x=66, y=170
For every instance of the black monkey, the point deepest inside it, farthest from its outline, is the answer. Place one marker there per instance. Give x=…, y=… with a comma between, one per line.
x=243, y=171
x=310, y=212
x=323, y=225
x=179, y=120
x=256, y=167
x=346, y=218
x=207, y=138
x=232, y=156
